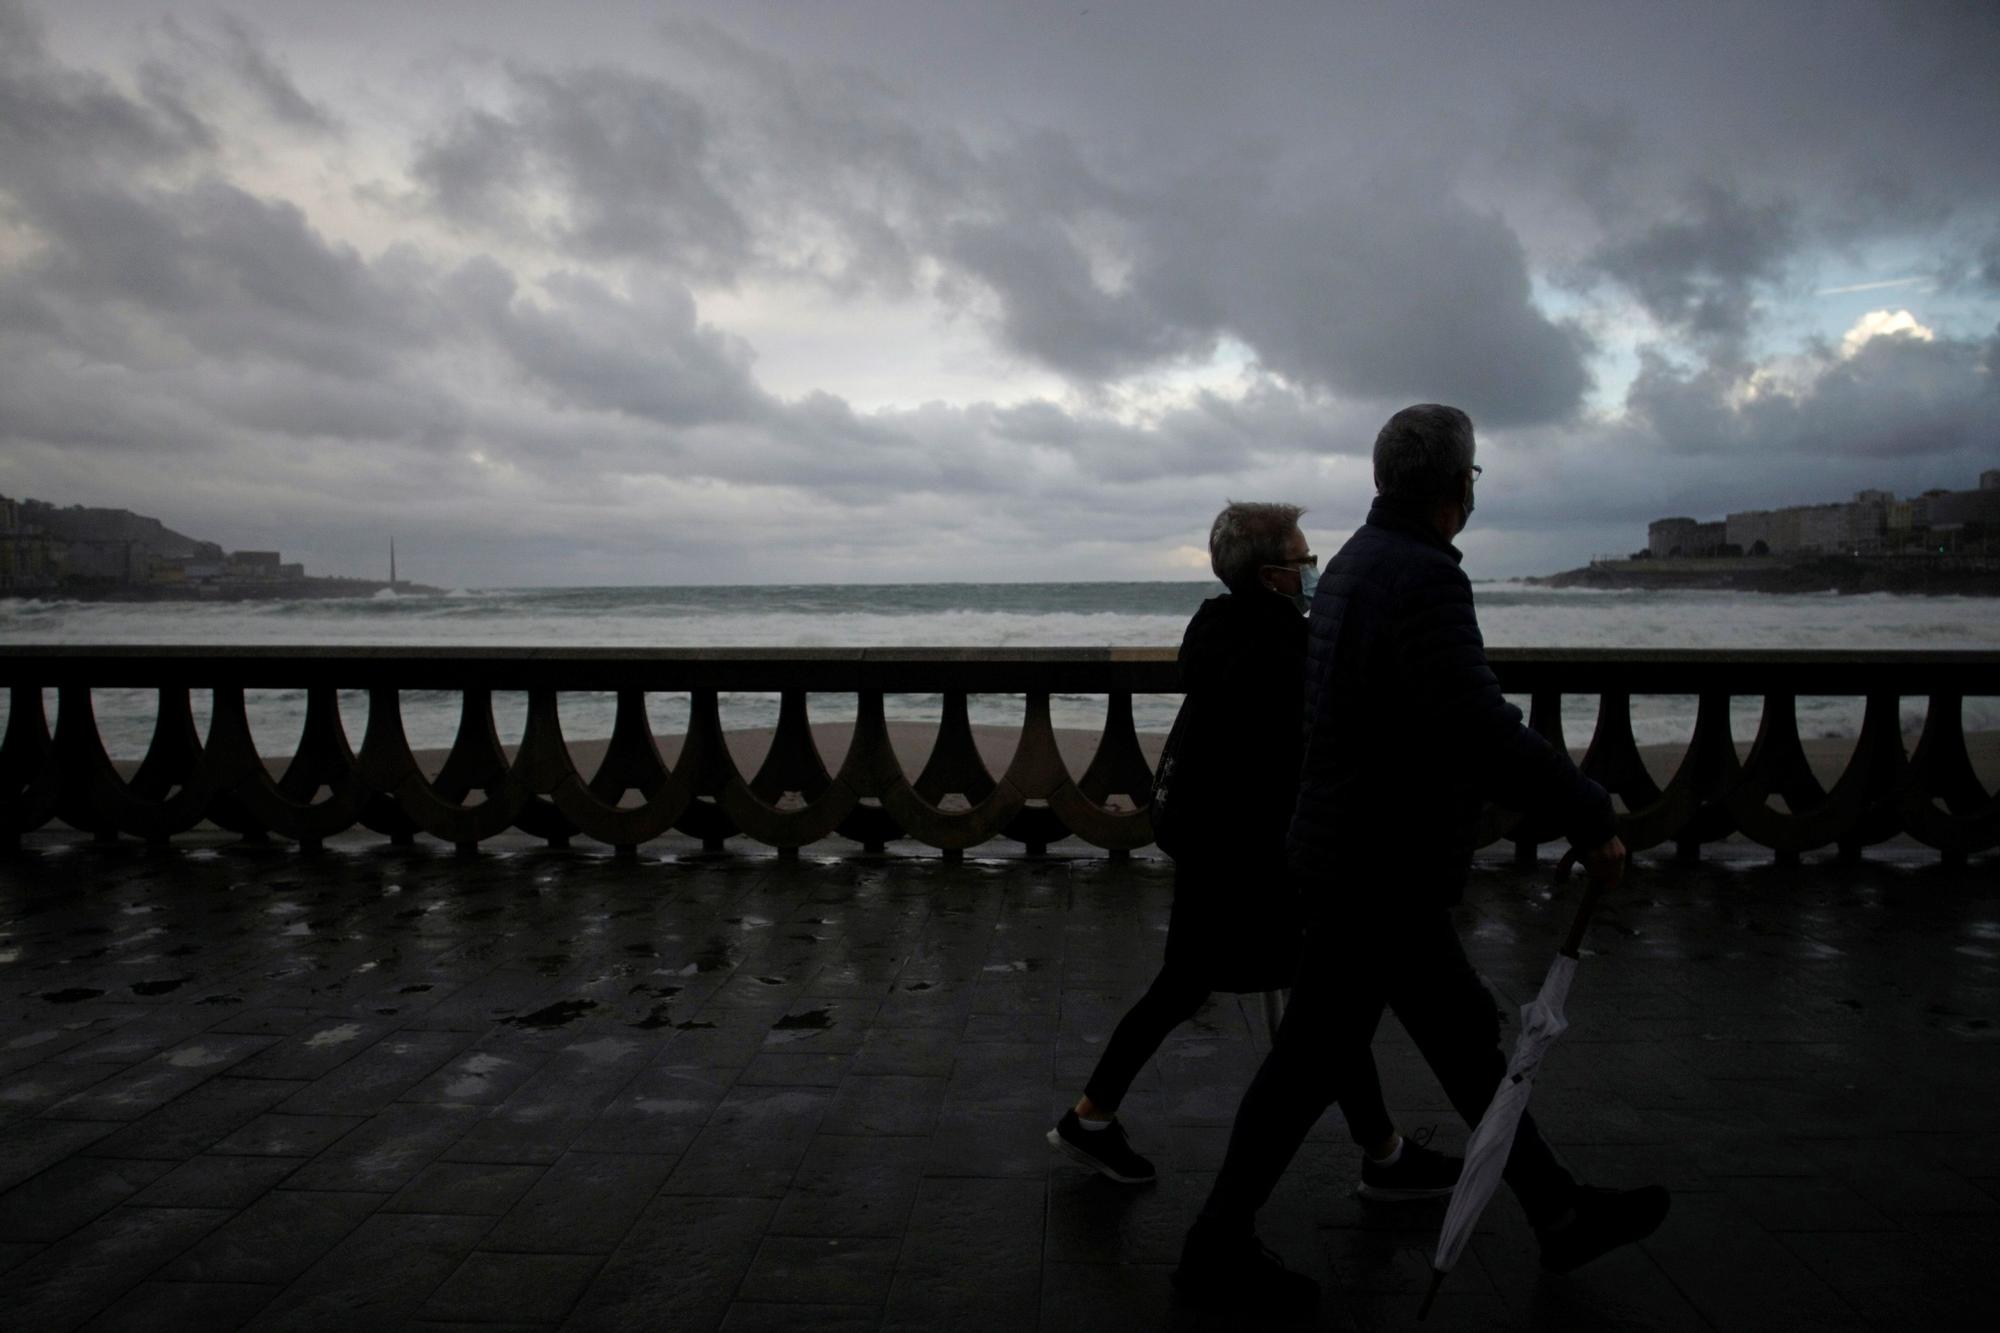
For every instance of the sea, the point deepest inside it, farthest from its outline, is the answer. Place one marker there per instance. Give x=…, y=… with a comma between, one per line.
x=988, y=615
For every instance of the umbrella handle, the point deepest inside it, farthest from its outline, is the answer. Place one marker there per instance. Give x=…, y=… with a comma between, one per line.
x=1581, y=921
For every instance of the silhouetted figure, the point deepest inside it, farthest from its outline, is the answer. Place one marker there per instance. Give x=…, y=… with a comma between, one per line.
x=1406, y=733
x=1235, y=923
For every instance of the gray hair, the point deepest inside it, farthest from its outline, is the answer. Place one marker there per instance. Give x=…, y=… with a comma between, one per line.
x=1247, y=536
x=1422, y=451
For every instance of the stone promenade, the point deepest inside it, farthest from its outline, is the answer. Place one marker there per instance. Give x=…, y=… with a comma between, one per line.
x=383, y=1088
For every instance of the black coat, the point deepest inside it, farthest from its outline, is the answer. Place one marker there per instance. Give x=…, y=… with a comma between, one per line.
x=1235, y=916
x=1407, y=731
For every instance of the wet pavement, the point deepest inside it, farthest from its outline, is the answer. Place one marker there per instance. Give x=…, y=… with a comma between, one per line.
x=382, y=1087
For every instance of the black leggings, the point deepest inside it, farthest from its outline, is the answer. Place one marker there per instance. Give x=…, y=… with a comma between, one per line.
x=1413, y=963
x=1176, y=993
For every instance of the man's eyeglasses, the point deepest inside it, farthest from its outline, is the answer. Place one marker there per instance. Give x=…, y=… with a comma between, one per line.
x=1475, y=470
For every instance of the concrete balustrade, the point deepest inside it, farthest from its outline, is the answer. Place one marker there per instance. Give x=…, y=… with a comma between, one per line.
x=1928, y=791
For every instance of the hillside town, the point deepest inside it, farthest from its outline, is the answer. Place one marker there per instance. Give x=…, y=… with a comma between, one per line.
x=1938, y=522
x=115, y=554
x=1942, y=541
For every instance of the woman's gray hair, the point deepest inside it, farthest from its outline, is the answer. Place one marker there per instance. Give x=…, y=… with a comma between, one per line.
x=1248, y=535
x=1422, y=452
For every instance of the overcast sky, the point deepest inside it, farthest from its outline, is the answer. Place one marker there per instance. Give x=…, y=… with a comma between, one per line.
x=817, y=291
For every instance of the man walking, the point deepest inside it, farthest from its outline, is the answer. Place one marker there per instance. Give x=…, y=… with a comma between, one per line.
x=1406, y=733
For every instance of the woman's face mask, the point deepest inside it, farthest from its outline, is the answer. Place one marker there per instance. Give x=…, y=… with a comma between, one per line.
x=1308, y=581
x=1308, y=574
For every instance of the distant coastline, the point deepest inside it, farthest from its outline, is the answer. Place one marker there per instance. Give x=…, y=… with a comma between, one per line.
x=1960, y=576
x=82, y=553
x=310, y=588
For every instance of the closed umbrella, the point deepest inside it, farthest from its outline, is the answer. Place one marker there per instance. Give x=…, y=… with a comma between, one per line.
x=1486, y=1151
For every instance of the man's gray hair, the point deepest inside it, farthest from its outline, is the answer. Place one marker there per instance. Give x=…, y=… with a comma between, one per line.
x=1422, y=452
x=1248, y=535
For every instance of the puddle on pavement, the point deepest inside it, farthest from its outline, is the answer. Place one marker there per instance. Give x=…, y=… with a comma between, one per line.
x=796, y=1027
x=198, y=1057
x=160, y=987
x=71, y=995
x=658, y=1018
x=560, y=1014
x=221, y=999
x=713, y=958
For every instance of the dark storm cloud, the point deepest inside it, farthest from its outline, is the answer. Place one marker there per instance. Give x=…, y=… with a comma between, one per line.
x=1407, y=296
x=645, y=354
x=139, y=248
x=1699, y=270
x=1386, y=289
x=630, y=159
x=242, y=51
x=1896, y=397
x=55, y=119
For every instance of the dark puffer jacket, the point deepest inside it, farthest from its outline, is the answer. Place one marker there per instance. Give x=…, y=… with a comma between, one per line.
x=1235, y=917
x=1407, y=731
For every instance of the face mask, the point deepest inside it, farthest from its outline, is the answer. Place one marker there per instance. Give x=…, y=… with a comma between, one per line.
x=1308, y=581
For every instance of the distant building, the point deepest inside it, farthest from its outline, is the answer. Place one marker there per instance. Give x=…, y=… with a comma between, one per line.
x=30, y=560
x=46, y=547
x=1669, y=537
x=1959, y=509
x=253, y=566
x=1872, y=522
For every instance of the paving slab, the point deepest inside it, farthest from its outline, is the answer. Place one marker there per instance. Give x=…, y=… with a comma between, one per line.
x=155, y=1305
x=549, y=1088
x=274, y=1239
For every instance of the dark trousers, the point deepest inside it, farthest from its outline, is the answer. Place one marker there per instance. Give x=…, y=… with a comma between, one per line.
x=1411, y=961
x=1176, y=993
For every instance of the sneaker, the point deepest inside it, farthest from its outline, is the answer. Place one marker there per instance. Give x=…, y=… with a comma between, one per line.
x=1419, y=1173
x=1235, y=1273
x=1104, y=1151
x=1601, y=1221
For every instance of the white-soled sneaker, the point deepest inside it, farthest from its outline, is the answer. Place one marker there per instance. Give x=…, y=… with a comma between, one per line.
x=1104, y=1151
